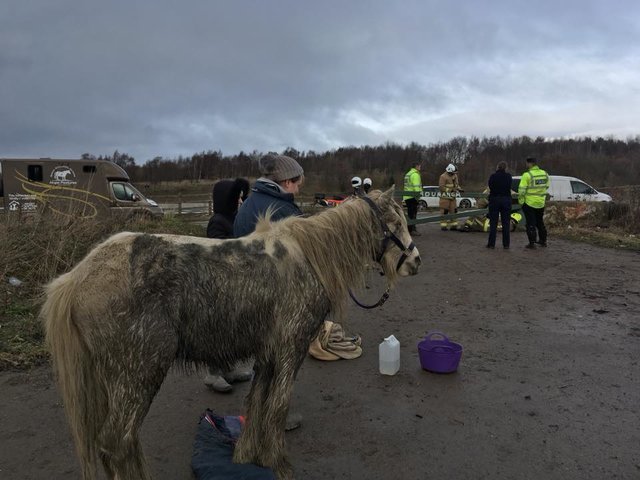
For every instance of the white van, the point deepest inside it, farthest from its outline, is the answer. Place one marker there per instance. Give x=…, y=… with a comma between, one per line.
x=569, y=189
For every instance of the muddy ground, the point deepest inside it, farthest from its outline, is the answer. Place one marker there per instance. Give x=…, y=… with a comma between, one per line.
x=548, y=386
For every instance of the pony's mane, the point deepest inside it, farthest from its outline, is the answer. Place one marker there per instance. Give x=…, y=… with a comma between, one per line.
x=340, y=244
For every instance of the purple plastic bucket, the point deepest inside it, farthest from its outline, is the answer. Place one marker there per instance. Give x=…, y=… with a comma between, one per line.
x=439, y=355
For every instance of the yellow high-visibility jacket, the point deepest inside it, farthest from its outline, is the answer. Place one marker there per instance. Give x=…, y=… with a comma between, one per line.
x=412, y=183
x=533, y=187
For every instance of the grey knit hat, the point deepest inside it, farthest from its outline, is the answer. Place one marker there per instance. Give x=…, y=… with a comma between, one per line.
x=279, y=167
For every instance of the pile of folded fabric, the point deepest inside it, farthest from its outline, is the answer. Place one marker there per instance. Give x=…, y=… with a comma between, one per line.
x=333, y=344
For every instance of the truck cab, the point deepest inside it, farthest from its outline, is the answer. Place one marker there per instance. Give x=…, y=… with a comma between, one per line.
x=75, y=188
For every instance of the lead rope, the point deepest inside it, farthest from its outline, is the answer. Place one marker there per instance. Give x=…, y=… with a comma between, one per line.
x=379, y=303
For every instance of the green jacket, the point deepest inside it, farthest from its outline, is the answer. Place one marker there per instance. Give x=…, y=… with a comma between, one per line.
x=533, y=187
x=412, y=183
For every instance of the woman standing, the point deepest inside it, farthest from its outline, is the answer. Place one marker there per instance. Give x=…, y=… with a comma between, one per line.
x=228, y=195
x=499, y=205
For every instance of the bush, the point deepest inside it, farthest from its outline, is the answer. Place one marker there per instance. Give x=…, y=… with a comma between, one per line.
x=35, y=251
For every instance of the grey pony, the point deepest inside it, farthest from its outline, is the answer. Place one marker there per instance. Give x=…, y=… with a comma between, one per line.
x=138, y=304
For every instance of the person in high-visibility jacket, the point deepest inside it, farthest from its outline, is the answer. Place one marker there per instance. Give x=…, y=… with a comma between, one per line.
x=449, y=188
x=532, y=194
x=413, y=191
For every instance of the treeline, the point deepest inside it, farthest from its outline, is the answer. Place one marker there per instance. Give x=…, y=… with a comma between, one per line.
x=602, y=162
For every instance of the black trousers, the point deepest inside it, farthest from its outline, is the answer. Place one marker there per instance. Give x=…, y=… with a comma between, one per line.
x=535, y=223
x=499, y=206
x=412, y=211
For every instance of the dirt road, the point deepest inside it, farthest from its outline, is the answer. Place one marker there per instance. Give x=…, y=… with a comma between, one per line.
x=548, y=386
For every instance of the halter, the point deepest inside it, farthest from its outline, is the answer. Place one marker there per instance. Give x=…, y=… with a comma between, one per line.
x=388, y=236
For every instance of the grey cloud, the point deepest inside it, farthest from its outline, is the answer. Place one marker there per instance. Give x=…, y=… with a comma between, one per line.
x=169, y=78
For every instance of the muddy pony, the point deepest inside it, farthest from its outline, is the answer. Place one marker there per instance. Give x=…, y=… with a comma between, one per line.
x=139, y=303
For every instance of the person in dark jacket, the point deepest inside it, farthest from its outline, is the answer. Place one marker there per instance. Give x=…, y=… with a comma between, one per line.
x=227, y=197
x=499, y=205
x=281, y=179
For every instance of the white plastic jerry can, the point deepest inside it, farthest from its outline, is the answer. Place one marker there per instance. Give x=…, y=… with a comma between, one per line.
x=389, y=352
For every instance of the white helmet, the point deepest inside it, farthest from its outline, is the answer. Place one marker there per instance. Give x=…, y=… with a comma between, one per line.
x=356, y=182
x=451, y=168
x=367, y=181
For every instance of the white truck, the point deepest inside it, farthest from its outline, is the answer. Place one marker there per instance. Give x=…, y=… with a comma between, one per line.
x=569, y=189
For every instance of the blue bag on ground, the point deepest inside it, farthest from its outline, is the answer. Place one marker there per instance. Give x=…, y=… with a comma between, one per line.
x=213, y=451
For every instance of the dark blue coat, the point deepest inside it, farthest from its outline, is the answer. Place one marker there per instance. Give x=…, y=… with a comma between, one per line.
x=263, y=195
x=499, y=184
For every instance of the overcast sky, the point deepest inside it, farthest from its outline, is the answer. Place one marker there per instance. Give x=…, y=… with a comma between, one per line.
x=168, y=78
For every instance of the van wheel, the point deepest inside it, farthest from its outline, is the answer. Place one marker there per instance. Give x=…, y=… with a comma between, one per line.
x=465, y=203
x=422, y=205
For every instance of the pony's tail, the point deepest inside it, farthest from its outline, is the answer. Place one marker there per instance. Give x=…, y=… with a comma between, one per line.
x=72, y=363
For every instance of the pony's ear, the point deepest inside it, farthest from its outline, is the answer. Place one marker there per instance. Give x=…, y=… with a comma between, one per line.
x=389, y=193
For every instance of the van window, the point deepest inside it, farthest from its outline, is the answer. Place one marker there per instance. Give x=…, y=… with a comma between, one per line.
x=34, y=173
x=581, y=188
x=122, y=191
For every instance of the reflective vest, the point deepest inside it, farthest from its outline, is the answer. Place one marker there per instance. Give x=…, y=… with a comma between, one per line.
x=533, y=187
x=412, y=183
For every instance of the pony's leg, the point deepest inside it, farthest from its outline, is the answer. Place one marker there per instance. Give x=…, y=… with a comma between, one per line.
x=263, y=442
x=246, y=450
x=131, y=389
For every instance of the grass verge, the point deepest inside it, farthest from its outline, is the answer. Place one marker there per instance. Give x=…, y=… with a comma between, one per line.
x=36, y=251
x=609, y=238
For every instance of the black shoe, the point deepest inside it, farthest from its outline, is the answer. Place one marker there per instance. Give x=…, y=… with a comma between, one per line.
x=491, y=246
x=530, y=246
x=542, y=244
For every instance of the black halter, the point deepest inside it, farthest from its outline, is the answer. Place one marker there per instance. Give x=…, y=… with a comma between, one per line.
x=388, y=236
